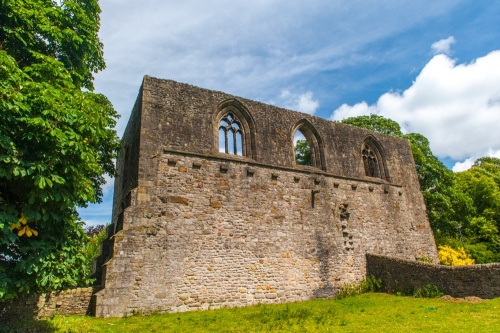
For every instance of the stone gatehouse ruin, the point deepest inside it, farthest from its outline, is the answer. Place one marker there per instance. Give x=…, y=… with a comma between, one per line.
x=211, y=209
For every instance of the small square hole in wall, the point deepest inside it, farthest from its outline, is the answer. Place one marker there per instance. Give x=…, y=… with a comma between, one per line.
x=371, y=188
x=386, y=189
x=317, y=181
x=171, y=162
x=354, y=186
x=296, y=179
x=196, y=165
x=250, y=172
x=223, y=168
x=274, y=177
x=336, y=185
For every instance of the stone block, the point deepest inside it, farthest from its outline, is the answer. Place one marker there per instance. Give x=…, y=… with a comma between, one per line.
x=215, y=204
x=178, y=200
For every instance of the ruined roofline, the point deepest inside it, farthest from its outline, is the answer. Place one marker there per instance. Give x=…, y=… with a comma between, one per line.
x=147, y=79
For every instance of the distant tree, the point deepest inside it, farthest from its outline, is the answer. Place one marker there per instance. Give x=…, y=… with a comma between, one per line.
x=303, y=153
x=375, y=123
x=92, y=248
x=56, y=141
x=481, y=185
x=93, y=230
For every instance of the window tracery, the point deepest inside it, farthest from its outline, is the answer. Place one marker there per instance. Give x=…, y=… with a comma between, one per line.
x=230, y=135
x=370, y=161
x=374, y=162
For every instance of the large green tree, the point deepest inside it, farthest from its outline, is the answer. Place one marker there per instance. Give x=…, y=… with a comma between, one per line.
x=481, y=222
x=56, y=140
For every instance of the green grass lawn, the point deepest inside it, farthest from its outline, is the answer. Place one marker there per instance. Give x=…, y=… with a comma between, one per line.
x=371, y=312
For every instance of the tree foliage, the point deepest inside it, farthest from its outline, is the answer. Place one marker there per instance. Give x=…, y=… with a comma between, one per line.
x=66, y=32
x=481, y=221
x=93, y=230
x=56, y=141
x=92, y=248
x=303, y=153
x=375, y=123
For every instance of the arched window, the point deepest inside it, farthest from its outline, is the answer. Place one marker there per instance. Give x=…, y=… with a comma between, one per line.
x=307, y=145
x=373, y=161
x=234, y=129
x=370, y=161
x=230, y=135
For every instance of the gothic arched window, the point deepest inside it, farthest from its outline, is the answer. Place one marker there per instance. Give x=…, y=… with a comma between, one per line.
x=307, y=145
x=373, y=160
x=370, y=161
x=230, y=135
x=234, y=129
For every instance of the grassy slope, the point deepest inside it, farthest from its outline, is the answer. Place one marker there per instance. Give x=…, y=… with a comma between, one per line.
x=371, y=312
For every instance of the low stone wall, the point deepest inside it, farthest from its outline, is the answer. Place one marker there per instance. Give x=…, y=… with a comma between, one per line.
x=458, y=281
x=68, y=302
x=77, y=301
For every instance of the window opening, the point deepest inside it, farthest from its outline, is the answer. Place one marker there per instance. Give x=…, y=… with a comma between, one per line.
x=230, y=135
x=302, y=149
x=370, y=162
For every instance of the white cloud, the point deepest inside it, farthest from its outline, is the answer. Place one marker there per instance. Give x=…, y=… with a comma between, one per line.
x=298, y=102
x=443, y=45
x=107, y=188
x=359, y=109
x=246, y=48
x=456, y=106
x=469, y=162
x=306, y=103
x=462, y=166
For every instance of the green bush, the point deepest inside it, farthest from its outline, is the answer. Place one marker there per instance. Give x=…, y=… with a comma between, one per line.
x=428, y=291
x=368, y=284
x=92, y=249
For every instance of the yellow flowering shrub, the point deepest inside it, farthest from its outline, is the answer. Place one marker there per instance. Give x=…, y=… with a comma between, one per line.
x=451, y=257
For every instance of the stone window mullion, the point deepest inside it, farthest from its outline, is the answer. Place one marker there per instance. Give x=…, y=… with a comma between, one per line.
x=232, y=125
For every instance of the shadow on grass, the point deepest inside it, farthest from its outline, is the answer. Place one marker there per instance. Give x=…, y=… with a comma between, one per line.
x=27, y=322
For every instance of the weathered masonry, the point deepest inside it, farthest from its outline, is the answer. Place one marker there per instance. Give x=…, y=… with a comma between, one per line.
x=211, y=209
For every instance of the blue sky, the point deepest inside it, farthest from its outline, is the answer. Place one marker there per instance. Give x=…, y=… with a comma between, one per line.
x=433, y=66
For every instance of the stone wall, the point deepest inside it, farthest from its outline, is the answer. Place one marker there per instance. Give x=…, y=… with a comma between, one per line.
x=399, y=275
x=77, y=301
x=201, y=229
